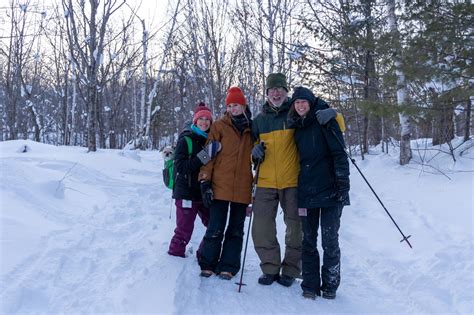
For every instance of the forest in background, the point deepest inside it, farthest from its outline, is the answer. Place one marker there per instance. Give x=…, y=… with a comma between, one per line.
x=93, y=73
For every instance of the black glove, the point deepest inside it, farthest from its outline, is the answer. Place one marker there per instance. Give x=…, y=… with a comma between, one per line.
x=342, y=189
x=207, y=193
x=325, y=115
x=258, y=152
x=209, y=151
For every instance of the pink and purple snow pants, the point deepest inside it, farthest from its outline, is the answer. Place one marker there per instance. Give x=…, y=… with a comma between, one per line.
x=185, y=218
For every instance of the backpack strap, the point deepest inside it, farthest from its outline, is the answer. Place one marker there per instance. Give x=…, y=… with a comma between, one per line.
x=189, y=142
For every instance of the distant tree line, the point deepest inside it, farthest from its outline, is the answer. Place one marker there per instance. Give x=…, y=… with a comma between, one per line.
x=92, y=73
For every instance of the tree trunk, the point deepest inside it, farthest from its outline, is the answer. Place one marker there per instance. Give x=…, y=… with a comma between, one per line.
x=13, y=77
x=34, y=119
x=73, y=104
x=92, y=67
x=365, y=133
x=467, y=124
x=101, y=128
x=112, y=140
x=356, y=112
x=64, y=105
x=143, y=104
x=443, y=125
x=405, y=148
x=271, y=34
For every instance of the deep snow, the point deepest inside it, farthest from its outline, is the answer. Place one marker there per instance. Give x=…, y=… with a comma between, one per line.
x=88, y=233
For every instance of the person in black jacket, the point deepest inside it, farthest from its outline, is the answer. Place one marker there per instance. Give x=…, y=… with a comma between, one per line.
x=186, y=190
x=323, y=190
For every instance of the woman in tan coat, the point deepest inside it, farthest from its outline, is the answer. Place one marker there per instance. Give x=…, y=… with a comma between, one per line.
x=226, y=182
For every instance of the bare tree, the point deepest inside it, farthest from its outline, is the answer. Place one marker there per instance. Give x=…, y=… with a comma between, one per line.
x=24, y=70
x=87, y=48
x=12, y=73
x=153, y=92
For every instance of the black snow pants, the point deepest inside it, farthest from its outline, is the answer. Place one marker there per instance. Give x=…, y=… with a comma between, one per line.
x=329, y=218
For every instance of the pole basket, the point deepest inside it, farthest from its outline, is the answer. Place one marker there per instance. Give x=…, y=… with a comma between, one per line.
x=405, y=239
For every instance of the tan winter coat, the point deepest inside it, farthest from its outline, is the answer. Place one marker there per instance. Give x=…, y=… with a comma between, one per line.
x=231, y=170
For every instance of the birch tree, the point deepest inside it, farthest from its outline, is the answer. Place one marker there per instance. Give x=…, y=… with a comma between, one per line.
x=405, y=136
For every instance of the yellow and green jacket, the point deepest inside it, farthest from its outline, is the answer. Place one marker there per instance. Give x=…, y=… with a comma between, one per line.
x=281, y=166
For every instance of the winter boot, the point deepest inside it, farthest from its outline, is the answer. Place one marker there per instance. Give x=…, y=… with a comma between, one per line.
x=286, y=281
x=267, y=279
x=224, y=275
x=309, y=295
x=330, y=295
x=206, y=273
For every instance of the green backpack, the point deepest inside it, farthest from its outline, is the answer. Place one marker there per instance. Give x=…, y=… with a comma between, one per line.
x=168, y=170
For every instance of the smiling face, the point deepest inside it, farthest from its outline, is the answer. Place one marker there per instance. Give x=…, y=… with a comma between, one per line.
x=277, y=96
x=235, y=109
x=203, y=123
x=301, y=107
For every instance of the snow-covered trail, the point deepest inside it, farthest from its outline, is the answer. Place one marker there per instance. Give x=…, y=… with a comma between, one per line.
x=101, y=250
x=379, y=274
x=436, y=275
x=96, y=242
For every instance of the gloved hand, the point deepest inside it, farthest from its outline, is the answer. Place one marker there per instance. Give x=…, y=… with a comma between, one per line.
x=209, y=151
x=258, y=152
x=207, y=193
x=325, y=115
x=342, y=189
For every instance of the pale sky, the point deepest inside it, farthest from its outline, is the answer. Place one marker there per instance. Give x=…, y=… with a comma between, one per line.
x=153, y=11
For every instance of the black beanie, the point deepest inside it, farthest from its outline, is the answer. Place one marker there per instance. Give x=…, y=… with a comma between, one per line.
x=302, y=93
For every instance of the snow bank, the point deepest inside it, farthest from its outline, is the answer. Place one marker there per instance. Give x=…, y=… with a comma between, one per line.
x=88, y=233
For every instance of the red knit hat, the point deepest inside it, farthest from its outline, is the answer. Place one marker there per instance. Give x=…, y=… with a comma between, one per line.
x=235, y=95
x=202, y=110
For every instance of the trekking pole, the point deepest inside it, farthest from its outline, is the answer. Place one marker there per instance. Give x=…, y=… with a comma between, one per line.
x=254, y=189
x=405, y=238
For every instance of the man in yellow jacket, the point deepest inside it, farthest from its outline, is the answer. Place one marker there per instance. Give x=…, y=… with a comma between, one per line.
x=277, y=158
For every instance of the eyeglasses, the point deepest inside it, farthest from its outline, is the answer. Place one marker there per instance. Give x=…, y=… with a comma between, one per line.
x=277, y=90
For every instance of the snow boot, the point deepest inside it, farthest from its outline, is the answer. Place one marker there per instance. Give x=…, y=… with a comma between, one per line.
x=309, y=295
x=286, y=281
x=267, y=279
x=224, y=275
x=206, y=273
x=330, y=295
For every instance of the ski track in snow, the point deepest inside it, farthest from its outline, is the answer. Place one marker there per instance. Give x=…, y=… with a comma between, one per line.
x=108, y=254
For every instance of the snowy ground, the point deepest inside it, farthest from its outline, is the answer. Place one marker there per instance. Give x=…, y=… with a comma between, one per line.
x=88, y=233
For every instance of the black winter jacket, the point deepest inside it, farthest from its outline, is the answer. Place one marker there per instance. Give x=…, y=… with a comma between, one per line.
x=187, y=167
x=322, y=158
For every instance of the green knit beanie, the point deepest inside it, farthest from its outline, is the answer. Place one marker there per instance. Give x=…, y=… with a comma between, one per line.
x=275, y=80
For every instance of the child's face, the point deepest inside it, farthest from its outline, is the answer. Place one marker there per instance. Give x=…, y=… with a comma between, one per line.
x=203, y=123
x=235, y=109
x=302, y=107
